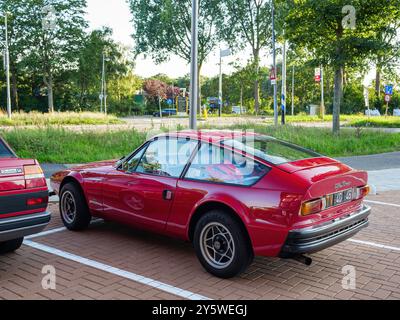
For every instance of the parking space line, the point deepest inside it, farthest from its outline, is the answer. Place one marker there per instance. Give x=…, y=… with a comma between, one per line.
x=373, y=244
x=118, y=272
x=46, y=233
x=383, y=203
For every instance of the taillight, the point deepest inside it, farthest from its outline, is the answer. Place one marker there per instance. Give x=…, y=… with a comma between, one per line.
x=36, y=201
x=311, y=207
x=362, y=192
x=34, y=177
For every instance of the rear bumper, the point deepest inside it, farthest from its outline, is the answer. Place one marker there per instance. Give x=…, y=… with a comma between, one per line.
x=18, y=227
x=314, y=239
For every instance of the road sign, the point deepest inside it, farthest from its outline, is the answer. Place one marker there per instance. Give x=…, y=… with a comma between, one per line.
x=387, y=98
x=170, y=102
x=226, y=53
x=317, y=75
x=272, y=76
x=389, y=89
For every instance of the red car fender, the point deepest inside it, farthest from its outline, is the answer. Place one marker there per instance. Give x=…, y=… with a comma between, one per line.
x=224, y=199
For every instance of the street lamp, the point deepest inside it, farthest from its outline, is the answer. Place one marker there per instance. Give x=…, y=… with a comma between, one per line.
x=274, y=63
x=7, y=64
x=222, y=54
x=194, y=69
x=103, y=94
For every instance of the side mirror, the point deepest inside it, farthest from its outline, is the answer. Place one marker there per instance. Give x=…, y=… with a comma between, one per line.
x=119, y=162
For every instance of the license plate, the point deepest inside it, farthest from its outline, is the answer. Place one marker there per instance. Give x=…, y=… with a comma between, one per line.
x=342, y=197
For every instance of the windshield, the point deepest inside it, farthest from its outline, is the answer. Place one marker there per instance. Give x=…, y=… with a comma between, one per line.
x=4, y=151
x=269, y=149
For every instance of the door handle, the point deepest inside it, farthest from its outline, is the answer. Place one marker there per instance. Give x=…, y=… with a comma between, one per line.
x=167, y=195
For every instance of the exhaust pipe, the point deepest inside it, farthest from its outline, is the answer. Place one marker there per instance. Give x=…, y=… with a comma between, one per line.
x=303, y=259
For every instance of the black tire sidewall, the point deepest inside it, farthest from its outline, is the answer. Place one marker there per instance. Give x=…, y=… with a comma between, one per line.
x=82, y=216
x=243, y=251
x=10, y=245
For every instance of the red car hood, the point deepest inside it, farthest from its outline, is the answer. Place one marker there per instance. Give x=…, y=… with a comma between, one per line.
x=96, y=165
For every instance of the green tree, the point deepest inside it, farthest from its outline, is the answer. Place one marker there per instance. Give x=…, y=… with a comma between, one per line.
x=53, y=45
x=163, y=28
x=248, y=23
x=321, y=28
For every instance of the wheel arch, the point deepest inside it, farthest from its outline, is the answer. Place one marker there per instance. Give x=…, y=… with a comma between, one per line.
x=216, y=205
x=76, y=179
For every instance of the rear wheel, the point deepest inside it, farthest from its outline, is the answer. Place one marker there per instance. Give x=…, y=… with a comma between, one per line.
x=74, y=210
x=10, y=246
x=222, y=245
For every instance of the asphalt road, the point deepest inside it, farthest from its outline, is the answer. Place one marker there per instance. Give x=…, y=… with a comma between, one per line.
x=374, y=162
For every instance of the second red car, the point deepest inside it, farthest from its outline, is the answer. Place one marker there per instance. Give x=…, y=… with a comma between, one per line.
x=234, y=195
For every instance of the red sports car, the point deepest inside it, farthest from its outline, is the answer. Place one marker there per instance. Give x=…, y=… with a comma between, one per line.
x=23, y=199
x=234, y=195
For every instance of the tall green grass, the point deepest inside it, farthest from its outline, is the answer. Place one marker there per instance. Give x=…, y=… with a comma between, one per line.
x=57, y=145
x=57, y=118
x=378, y=122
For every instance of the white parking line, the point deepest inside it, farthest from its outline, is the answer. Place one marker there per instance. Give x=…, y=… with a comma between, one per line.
x=373, y=244
x=118, y=272
x=46, y=233
x=383, y=203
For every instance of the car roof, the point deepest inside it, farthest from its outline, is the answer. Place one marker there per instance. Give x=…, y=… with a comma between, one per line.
x=214, y=136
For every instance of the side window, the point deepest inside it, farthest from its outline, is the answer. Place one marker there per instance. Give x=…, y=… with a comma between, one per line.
x=166, y=157
x=130, y=165
x=4, y=151
x=219, y=165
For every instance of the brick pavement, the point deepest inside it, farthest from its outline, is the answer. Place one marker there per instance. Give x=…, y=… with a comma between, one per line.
x=174, y=262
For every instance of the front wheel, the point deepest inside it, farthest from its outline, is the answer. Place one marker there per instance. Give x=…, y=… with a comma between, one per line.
x=73, y=208
x=222, y=245
x=11, y=245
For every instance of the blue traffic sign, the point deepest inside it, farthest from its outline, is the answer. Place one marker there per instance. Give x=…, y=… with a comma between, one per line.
x=389, y=89
x=169, y=101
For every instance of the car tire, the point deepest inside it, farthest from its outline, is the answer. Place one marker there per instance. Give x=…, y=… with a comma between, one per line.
x=222, y=245
x=11, y=245
x=74, y=210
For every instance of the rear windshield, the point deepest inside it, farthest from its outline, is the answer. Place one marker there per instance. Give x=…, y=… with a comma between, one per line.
x=271, y=150
x=4, y=151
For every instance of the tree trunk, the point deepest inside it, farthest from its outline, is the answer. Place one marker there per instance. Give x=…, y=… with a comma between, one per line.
x=14, y=87
x=256, y=54
x=337, y=99
x=50, y=93
x=241, y=99
x=378, y=82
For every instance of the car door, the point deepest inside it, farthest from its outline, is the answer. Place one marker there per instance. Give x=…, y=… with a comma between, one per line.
x=141, y=191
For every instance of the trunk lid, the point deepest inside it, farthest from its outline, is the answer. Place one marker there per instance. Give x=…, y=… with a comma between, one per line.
x=12, y=174
x=326, y=176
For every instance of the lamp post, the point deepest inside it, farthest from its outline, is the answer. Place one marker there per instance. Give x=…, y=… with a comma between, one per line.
x=194, y=68
x=7, y=65
x=103, y=94
x=222, y=54
x=274, y=63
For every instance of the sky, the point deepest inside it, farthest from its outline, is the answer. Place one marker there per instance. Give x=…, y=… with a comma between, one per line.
x=115, y=14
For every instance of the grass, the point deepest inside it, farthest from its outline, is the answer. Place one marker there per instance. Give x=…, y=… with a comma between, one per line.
x=350, y=142
x=57, y=145
x=379, y=122
x=327, y=118
x=56, y=118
